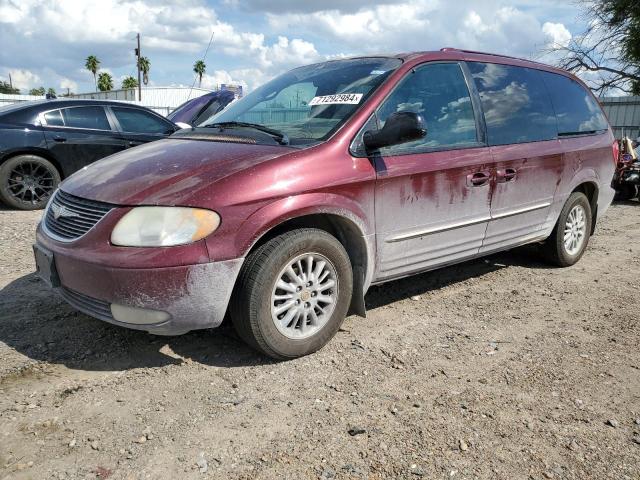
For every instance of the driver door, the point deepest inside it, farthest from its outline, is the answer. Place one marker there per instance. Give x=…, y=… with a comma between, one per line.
x=433, y=195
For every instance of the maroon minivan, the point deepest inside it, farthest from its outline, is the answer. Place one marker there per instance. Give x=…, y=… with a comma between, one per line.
x=286, y=207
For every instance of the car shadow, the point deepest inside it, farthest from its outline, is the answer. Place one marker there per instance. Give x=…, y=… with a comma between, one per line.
x=380, y=295
x=38, y=324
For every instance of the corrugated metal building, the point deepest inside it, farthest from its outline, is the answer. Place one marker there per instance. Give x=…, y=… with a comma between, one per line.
x=624, y=115
x=161, y=99
x=7, y=99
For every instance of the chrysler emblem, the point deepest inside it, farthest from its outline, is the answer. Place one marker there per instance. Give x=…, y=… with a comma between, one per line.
x=62, y=211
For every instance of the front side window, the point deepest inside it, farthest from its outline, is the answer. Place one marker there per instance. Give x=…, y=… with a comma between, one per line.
x=137, y=121
x=576, y=109
x=93, y=117
x=310, y=103
x=439, y=93
x=516, y=104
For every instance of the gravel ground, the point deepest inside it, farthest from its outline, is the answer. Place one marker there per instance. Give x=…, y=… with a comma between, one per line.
x=497, y=368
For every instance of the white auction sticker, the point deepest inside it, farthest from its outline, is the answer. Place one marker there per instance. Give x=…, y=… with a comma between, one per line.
x=340, y=99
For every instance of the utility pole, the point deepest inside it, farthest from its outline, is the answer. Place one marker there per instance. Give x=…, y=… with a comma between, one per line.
x=138, y=65
x=10, y=82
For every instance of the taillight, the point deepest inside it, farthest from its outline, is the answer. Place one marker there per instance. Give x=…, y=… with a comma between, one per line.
x=616, y=151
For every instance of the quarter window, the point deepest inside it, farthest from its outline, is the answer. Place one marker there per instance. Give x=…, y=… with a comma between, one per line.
x=517, y=107
x=439, y=93
x=576, y=109
x=92, y=117
x=54, y=118
x=138, y=121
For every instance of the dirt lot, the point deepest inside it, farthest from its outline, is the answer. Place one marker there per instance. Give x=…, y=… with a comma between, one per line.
x=499, y=368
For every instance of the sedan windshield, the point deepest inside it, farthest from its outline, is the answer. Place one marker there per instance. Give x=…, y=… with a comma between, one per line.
x=310, y=103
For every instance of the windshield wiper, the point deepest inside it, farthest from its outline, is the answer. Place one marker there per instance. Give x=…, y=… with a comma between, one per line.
x=281, y=137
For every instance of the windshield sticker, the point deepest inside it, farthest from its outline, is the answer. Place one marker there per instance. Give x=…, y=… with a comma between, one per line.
x=377, y=72
x=340, y=99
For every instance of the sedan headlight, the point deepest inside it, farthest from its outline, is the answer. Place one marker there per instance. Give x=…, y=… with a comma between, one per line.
x=164, y=226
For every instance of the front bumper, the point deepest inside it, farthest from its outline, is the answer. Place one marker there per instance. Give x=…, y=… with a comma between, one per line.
x=189, y=297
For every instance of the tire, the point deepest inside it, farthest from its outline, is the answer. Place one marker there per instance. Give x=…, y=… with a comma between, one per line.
x=256, y=300
x=27, y=182
x=625, y=191
x=556, y=250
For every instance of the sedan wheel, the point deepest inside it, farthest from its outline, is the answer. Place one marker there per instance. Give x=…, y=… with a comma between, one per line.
x=27, y=182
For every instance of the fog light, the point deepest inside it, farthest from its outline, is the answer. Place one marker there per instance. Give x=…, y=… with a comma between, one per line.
x=139, y=316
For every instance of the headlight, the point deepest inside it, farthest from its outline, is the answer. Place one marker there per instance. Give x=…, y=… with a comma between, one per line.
x=164, y=226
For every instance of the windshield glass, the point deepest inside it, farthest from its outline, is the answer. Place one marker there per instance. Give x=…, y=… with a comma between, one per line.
x=309, y=103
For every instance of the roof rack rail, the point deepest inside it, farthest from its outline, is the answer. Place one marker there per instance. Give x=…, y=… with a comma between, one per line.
x=450, y=49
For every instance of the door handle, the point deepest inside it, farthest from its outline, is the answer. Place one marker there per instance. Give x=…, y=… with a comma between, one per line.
x=133, y=143
x=478, y=179
x=59, y=138
x=506, y=175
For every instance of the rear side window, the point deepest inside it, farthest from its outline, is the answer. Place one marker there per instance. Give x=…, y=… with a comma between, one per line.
x=54, y=118
x=576, y=109
x=517, y=107
x=93, y=117
x=439, y=93
x=139, y=121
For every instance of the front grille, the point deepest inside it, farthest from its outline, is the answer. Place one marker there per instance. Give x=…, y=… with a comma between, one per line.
x=69, y=217
x=89, y=305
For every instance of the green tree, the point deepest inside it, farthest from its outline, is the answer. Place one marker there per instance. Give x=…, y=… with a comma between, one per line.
x=51, y=91
x=37, y=91
x=93, y=65
x=145, y=66
x=5, y=87
x=105, y=82
x=199, y=68
x=129, y=82
x=609, y=47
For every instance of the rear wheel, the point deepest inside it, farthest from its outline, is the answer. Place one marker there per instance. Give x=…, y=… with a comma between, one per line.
x=570, y=236
x=293, y=293
x=27, y=182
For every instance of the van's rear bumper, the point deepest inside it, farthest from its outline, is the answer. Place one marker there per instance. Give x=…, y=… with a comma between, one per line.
x=163, y=301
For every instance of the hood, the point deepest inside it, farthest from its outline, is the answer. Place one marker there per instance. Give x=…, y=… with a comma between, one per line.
x=166, y=172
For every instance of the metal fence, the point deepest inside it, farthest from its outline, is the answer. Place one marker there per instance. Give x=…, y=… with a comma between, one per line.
x=276, y=115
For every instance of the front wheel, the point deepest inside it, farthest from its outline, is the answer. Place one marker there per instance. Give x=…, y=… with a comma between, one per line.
x=570, y=236
x=27, y=182
x=293, y=293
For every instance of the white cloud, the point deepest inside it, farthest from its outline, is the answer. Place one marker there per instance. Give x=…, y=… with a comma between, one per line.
x=24, y=79
x=416, y=25
x=52, y=39
x=557, y=34
x=65, y=84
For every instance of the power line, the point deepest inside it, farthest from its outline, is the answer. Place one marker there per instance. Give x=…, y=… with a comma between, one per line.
x=203, y=59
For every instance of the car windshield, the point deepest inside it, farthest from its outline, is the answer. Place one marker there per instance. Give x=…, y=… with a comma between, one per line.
x=309, y=103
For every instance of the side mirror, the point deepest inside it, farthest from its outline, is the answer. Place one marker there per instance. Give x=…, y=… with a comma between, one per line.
x=400, y=127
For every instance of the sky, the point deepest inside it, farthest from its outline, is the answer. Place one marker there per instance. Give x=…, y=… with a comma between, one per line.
x=45, y=42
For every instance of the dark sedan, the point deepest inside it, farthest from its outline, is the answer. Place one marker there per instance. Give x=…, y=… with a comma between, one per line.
x=45, y=141
x=195, y=111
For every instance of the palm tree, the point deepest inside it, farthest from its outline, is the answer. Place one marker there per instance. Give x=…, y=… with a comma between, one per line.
x=51, y=91
x=105, y=82
x=145, y=66
x=129, y=82
x=199, y=68
x=93, y=65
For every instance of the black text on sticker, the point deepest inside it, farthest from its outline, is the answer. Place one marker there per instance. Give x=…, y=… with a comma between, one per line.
x=341, y=98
